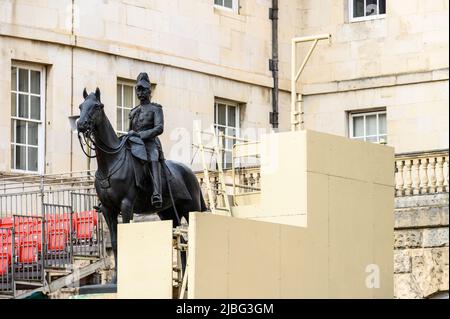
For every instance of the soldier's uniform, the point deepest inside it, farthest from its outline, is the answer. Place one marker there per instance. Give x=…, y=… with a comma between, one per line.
x=148, y=121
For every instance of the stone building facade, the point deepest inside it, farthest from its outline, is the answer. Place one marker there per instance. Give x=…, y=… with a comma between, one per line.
x=383, y=77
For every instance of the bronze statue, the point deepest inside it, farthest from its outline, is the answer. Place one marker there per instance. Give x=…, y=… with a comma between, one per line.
x=121, y=181
x=147, y=122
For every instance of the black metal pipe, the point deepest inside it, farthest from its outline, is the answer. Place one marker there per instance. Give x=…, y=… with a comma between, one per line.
x=273, y=15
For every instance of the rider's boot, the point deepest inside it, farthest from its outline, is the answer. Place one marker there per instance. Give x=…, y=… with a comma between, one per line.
x=156, y=196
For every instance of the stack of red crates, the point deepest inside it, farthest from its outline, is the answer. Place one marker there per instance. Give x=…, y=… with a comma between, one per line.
x=58, y=232
x=84, y=224
x=5, y=250
x=28, y=235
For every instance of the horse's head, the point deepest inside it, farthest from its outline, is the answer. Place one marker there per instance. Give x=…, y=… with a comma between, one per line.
x=90, y=112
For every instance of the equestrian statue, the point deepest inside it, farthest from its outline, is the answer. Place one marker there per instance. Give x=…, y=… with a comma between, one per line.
x=132, y=175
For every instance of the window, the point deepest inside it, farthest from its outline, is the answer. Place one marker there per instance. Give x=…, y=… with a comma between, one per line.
x=126, y=100
x=360, y=10
x=370, y=127
x=27, y=118
x=226, y=120
x=229, y=4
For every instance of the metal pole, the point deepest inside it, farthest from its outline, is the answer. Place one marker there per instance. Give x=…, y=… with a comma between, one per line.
x=297, y=99
x=293, y=87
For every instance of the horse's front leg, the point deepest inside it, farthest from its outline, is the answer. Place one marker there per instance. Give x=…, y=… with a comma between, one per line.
x=111, y=220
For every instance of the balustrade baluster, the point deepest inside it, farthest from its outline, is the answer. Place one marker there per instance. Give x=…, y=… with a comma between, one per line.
x=445, y=170
x=399, y=178
x=423, y=175
x=407, y=177
x=431, y=173
x=415, y=176
x=439, y=174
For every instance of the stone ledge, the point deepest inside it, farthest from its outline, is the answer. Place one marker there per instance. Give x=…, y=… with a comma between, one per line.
x=412, y=217
x=375, y=82
x=440, y=199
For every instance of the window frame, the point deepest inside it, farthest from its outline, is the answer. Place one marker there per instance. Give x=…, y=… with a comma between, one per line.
x=237, y=128
x=352, y=115
x=234, y=8
x=365, y=18
x=123, y=82
x=41, y=123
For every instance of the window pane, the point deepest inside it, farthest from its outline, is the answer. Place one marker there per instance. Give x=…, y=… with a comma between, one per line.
x=358, y=8
x=227, y=162
x=32, y=158
x=371, y=125
x=13, y=78
x=126, y=119
x=371, y=7
x=218, y=2
x=232, y=116
x=382, y=124
x=35, y=107
x=23, y=80
x=21, y=129
x=382, y=6
x=35, y=82
x=119, y=95
x=127, y=96
x=221, y=116
x=119, y=119
x=13, y=104
x=358, y=126
x=21, y=159
x=13, y=162
x=32, y=133
x=23, y=105
x=228, y=4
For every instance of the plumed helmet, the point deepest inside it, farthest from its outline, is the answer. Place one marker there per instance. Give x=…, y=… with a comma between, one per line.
x=143, y=80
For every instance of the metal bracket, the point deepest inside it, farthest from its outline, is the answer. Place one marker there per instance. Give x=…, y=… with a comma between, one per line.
x=273, y=64
x=273, y=14
x=273, y=117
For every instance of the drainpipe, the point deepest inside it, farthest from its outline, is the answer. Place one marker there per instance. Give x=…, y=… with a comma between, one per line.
x=273, y=64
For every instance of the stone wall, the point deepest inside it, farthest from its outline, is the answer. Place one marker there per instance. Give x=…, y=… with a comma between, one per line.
x=398, y=62
x=421, y=246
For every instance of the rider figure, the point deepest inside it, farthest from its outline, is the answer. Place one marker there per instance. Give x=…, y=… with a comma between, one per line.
x=147, y=122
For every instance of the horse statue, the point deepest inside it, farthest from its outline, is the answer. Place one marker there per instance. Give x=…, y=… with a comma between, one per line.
x=119, y=183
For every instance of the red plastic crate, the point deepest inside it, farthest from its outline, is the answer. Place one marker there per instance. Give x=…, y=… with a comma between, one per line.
x=28, y=253
x=6, y=250
x=57, y=241
x=87, y=216
x=34, y=238
x=5, y=261
x=7, y=222
x=85, y=229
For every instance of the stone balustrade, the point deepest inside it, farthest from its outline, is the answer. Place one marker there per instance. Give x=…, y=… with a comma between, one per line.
x=415, y=174
x=421, y=173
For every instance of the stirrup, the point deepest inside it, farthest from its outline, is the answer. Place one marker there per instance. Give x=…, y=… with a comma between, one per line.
x=157, y=201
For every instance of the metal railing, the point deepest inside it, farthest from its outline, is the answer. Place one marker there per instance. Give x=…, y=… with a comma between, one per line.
x=48, y=220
